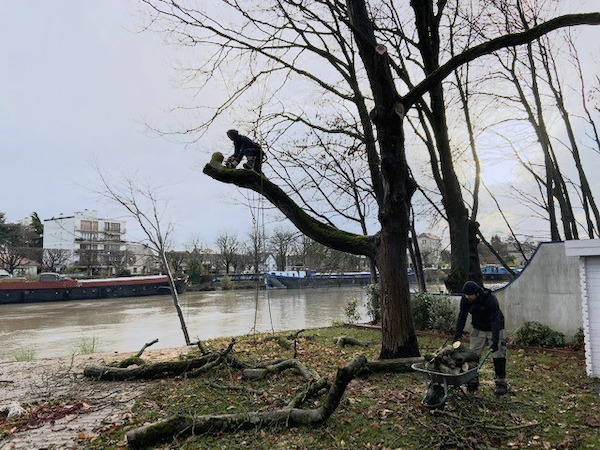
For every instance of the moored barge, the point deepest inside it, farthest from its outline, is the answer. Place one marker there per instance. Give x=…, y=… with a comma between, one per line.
x=64, y=289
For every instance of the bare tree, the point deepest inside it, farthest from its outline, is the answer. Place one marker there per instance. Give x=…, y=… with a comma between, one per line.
x=53, y=259
x=177, y=260
x=229, y=248
x=336, y=33
x=119, y=260
x=144, y=203
x=281, y=242
x=16, y=246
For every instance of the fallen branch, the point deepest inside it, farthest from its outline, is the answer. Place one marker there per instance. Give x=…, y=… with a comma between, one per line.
x=260, y=373
x=135, y=360
x=148, y=344
x=147, y=371
x=190, y=367
x=312, y=391
x=280, y=340
x=210, y=365
x=184, y=425
x=398, y=365
x=202, y=347
x=342, y=341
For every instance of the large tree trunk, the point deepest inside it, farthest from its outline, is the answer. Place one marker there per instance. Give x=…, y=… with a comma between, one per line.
x=427, y=23
x=398, y=334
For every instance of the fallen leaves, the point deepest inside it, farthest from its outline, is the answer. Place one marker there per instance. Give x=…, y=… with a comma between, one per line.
x=592, y=421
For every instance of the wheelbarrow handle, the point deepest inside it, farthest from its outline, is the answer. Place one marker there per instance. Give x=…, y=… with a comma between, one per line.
x=486, y=356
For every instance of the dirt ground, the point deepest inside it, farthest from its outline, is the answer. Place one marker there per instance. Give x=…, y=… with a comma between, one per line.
x=64, y=408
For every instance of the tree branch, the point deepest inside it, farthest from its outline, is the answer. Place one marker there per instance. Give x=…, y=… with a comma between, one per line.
x=325, y=234
x=489, y=47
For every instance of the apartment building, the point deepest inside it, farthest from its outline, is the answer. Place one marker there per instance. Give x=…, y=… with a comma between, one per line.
x=94, y=245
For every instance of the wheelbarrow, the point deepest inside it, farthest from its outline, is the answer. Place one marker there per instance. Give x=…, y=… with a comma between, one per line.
x=441, y=383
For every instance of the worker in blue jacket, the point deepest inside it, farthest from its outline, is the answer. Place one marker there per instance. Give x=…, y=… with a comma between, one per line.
x=488, y=328
x=244, y=146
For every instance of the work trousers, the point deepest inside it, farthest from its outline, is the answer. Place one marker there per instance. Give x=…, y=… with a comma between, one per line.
x=480, y=339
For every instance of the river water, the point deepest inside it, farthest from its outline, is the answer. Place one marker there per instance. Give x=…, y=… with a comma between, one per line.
x=125, y=324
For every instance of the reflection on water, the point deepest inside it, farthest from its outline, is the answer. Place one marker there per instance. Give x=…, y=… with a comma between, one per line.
x=126, y=324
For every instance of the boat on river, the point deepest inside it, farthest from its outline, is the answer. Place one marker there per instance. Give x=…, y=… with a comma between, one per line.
x=298, y=279
x=493, y=272
x=57, y=288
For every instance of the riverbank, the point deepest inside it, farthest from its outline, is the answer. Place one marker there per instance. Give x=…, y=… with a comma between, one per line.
x=64, y=409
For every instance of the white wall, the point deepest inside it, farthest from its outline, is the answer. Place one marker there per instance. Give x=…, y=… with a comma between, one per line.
x=59, y=233
x=588, y=252
x=547, y=291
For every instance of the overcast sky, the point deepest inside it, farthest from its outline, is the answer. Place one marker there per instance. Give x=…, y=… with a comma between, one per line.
x=77, y=85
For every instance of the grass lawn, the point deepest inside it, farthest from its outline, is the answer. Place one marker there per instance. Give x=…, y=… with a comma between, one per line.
x=551, y=403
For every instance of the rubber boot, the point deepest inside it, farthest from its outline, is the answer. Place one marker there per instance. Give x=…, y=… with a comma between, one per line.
x=251, y=162
x=500, y=370
x=258, y=163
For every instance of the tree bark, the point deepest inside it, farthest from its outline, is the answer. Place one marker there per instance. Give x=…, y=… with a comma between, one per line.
x=398, y=334
x=147, y=371
x=398, y=365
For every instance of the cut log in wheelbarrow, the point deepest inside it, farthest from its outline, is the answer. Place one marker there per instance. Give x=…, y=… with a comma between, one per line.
x=437, y=384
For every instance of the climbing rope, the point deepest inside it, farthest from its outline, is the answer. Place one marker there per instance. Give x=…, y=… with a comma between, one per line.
x=257, y=210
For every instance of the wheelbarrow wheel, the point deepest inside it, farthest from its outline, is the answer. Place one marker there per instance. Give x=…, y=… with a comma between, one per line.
x=435, y=396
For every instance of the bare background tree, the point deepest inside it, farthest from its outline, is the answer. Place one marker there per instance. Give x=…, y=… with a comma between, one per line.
x=53, y=259
x=143, y=202
x=229, y=248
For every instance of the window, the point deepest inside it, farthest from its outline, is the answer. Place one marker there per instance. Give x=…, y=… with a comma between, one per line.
x=89, y=225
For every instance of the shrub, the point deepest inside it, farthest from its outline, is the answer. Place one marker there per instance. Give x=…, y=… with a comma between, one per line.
x=226, y=283
x=578, y=340
x=24, y=354
x=433, y=312
x=442, y=314
x=88, y=345
x=421, y=305
x=373, y=302
x=535, y=334
x=195, y=271
x=351, y=311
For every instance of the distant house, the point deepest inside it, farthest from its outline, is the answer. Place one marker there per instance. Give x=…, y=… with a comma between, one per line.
x=142, y=261
x=430, y=246
x=26, y=268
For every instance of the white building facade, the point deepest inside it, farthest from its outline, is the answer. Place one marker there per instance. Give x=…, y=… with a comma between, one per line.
x=92, y=242
x=430, y=246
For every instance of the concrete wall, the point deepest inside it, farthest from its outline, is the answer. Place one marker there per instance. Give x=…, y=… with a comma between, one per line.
x=547, y=291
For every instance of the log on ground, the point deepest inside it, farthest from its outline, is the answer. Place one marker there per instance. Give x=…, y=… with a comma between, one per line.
x=147, y=371
x=397, y=365
x=181, y=425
